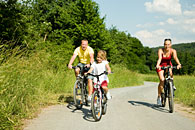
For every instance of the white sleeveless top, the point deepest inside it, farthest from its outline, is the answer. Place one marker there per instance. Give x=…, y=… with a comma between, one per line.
x=98, y=69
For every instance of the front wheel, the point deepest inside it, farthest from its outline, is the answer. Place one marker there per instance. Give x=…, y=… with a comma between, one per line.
x=163, y=99
x=104, y=109
x=96, y=105
x=78, y=94
x=171, y=101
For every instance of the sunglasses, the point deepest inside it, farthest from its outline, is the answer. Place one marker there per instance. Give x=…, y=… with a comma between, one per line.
x=167, y=40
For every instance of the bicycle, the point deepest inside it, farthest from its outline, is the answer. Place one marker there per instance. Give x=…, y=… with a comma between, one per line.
x=99, y=100
x=168, y=88
x=80, y=90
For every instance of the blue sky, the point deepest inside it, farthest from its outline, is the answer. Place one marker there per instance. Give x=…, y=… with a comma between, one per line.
x=151, y=21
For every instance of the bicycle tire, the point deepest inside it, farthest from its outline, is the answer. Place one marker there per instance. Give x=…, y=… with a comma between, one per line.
x=163, y=99
x=96, y=105
x=77, y=92
x=85, y=93
x=104, y=109
x=170, y=97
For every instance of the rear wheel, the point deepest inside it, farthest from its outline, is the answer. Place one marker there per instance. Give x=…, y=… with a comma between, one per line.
x=96, y=105
x=78, y=95
x=170, y=94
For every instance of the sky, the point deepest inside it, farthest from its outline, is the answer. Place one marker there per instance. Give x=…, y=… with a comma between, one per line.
x=151, y=21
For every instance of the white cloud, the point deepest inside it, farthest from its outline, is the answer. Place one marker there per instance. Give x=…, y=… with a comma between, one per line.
x=169, y=7
x=146, y=25
x=189, y=12
x=154, y=38
x=171, y=21
x=161, y=23
x=189, y=21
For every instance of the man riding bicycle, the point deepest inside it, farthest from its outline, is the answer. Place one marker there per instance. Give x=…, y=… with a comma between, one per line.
x=86, y=57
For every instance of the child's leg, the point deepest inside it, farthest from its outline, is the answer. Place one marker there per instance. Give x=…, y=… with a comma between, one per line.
x=105, y=88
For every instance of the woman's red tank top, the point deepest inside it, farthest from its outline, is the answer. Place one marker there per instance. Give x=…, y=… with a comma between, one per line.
x=166, y=60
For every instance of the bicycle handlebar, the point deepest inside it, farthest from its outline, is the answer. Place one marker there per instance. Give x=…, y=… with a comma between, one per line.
x=167, y=67
x=99, y=74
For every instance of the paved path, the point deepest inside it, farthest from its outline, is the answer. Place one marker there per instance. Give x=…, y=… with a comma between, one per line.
x=132, y=108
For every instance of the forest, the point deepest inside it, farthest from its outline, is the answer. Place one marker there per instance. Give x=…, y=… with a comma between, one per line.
x=58, y=27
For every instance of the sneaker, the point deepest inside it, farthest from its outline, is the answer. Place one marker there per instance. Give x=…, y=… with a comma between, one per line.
x=159, y=102
x=108, y=96
x=174, y=88
x=89, y=99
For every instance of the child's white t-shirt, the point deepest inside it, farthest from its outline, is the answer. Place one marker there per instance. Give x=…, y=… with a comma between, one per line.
x=98, y=69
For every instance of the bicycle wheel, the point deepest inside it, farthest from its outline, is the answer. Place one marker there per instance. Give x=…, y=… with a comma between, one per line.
x=77, y=95
x=104, y=105
x=96, y=105
x=85, y=93
x=104, y=108
x=170, y=96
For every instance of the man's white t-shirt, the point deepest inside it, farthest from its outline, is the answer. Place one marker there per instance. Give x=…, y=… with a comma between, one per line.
x=98, y=69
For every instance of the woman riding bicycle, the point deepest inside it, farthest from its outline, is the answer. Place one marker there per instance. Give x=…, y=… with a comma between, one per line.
x=164, y=59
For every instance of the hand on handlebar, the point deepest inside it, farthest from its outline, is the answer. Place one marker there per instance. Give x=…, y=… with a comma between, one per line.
x=86, y=73
x=158, y=67
x=70, y=66
x=87, y=65
x=179, y=66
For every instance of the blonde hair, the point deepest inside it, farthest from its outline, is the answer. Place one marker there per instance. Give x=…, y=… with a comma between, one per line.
x=102, y=54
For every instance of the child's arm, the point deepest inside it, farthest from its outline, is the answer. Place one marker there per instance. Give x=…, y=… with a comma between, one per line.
x=108, y=68
x=90, y=70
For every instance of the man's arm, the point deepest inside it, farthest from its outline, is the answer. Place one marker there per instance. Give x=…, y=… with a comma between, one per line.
x=71, y=61
x=91, y=58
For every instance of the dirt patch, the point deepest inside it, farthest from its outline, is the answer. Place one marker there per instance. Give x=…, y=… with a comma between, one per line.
x=186, y=111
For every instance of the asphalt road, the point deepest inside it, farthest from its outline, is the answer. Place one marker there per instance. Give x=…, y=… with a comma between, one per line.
x=131, y=108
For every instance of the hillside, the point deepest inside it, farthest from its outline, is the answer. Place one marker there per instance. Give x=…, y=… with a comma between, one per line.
x=182, y=47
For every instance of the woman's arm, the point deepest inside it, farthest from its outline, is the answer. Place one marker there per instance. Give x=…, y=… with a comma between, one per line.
x=159, y=58
x=176, y=59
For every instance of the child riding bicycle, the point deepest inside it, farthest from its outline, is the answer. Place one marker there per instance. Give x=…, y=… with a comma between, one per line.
x=99, y=67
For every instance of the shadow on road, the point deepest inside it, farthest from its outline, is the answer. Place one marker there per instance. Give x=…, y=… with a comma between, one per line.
x=87, y=115
x=153, y=106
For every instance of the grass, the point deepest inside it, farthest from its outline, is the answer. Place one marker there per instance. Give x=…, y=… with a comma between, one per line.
x=27, y=84
x=185, y=85
x=123, y=77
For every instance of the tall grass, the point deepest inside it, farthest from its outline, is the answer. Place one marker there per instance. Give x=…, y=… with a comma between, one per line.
x=185, y=92
x=185, y=85
x=26, y=83
x=122, y=77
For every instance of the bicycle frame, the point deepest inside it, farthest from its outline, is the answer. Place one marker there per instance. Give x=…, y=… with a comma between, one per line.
x=168, y=88
x=97, y=106
x=82, y=80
